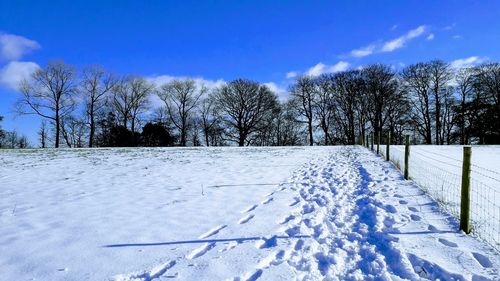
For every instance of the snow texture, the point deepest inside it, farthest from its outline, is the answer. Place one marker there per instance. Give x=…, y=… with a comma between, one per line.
x=300, y=213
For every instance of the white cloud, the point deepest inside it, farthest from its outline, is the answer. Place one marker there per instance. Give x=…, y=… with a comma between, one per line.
x=321, y=68
x=363, y=52
x=13, y=47
x=391, y=45
x=291, y=74
x=278, y=90
x=15, y=71
x=430, y=37
x=162, y=79
x=468, y=62
x=399, y=42
x=458, y=36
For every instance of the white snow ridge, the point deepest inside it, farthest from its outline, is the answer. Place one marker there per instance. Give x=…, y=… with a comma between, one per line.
x=298, y=213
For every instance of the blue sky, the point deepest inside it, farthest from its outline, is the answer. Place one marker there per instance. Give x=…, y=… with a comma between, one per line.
x=268, y=41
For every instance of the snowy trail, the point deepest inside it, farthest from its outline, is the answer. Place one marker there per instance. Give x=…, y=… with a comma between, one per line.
x=353, y=218
x=338, y=213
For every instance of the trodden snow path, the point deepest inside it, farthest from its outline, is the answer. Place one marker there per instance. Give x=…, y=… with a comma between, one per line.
x=352, y=217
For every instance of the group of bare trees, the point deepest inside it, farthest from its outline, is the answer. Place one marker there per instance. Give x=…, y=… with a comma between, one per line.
x=434, y=102
x=11, y=139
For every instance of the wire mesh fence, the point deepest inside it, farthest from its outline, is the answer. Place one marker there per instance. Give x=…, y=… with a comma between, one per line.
x=439, y=174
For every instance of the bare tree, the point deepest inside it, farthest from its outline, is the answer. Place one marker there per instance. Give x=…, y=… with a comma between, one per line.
x=489, y=78
x=95, y=85
x=244, y=105
x=180, y=98
x=208, y=117
x=381, y=89
x=324, y=106
x=417, y=81
x=130, y=100
x=73, y=131
x=465, y=79
x=347, y=86
x=2, y=132
x=49, y=93
x=440, y=76
x=42, y=134
x=303, y=94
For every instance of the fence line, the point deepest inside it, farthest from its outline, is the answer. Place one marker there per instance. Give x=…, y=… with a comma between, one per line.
x=442, y=180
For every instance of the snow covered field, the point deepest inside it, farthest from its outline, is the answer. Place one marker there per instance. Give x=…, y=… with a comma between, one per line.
x=438, y=170
x=306, y=213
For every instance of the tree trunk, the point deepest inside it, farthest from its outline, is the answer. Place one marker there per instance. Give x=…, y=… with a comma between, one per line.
x=57, y=129
x=311, y=140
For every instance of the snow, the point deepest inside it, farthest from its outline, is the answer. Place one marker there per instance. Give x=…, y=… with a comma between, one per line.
x=306, y=213
x=438, y=169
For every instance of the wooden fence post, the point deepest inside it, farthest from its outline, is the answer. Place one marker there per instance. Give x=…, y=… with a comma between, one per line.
x=378, y=143
x=465, y=198
x=387, y=147
x=372, y=141
x=407, y=155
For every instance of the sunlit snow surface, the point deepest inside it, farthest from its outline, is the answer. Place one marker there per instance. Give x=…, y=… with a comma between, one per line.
x=339, y=213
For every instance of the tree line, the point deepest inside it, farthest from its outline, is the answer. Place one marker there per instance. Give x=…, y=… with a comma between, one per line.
x=433, y=101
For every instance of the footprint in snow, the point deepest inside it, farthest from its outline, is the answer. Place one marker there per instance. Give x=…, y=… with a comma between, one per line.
x=298, y=245
x=403, y=202
x=447, y=243
x=415, y=217
x=268, y=200
x=245, y=219
x=267, y=242
x=295, y=202
x=482, y=260
x=198, y=252
x=432, y=228
x=413, y=209
x=249, y=209
x=287, y=219
x=391, y=209
x=213, y=231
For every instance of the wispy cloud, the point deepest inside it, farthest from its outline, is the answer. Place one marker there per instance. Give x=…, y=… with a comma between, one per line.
x=13, y=47
x=430, y=37
x=291, y=74
x=321, y=68
x=399, y=42
x=468, y=62
x=363, y=52
x=14, y=72
x=391, y=45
